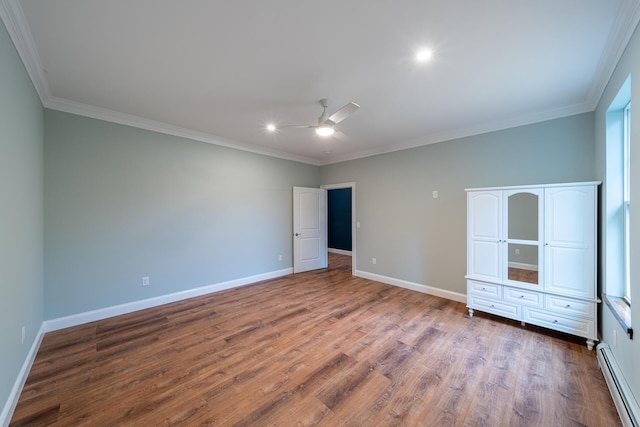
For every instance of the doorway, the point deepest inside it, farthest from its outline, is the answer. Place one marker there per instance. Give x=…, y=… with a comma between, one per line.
x=339, y=221
x=347, y=214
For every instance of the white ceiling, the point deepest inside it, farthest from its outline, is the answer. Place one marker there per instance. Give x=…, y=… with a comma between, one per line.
x=218, y=71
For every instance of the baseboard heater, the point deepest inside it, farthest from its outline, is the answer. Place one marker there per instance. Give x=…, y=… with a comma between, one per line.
x=620, y=391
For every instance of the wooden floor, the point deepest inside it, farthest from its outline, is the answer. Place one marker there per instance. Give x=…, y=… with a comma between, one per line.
x=318, y=348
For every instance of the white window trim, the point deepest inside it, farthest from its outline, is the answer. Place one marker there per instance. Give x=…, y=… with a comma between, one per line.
x=627, y=200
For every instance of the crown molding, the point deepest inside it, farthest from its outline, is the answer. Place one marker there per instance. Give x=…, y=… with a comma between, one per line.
x=112, y=116
x=623, y=28
x=18, y=29
x=625, y=25
x=13, y=17
x=453, y=134
x=14, y=20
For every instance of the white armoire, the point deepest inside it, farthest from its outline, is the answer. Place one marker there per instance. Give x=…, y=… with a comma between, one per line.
x=531, y=255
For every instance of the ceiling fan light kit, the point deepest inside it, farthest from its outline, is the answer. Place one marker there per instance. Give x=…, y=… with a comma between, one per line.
x=326, y=124
x=325, y=130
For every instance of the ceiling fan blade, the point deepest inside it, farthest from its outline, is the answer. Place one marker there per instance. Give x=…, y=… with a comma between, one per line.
x=344, y=112
x=295, y=127
x=341, y=136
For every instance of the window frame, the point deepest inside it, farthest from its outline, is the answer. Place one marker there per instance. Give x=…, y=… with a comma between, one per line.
x=626, y=203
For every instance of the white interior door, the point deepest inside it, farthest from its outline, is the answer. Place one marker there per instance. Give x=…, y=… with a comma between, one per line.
x=309, y=229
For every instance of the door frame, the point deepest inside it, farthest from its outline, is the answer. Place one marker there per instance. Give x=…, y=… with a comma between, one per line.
x=352, y=186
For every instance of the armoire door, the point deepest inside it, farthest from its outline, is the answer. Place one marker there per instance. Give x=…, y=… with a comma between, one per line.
x=570, y=240
x=484, y=222
x=523, y=232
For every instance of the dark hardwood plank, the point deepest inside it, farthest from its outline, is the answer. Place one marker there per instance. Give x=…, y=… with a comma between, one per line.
x=318, y=348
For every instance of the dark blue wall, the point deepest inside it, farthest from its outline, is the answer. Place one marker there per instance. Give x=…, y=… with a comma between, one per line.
x=339, y=219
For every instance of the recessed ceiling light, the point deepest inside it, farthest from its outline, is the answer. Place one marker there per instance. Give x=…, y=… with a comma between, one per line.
x=271, y=127
x=424, y=55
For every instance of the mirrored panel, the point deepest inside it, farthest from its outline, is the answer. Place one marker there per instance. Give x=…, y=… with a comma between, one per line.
x=523, y=216
x=523, y=263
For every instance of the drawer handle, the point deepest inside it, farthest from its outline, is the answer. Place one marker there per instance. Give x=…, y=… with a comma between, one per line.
x=555, y=321
x=493, y=306
x=484, y=289
x=521, y=296
x=568, y=306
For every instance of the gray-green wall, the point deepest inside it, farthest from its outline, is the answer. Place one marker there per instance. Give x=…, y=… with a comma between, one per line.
x=422, y=240
x=21, y=215
x=122, y=203
x=626, y=351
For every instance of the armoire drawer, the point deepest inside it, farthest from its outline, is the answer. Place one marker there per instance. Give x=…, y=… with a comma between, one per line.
x=494, y=306
x=577, y=326
x=569, y=306
x=482, y=288
x=522, y=296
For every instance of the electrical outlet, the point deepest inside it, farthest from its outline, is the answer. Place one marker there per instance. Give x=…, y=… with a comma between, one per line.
x=615, y=338
x=517, y=251
x=24, y=333
x=145, y=281
x=374, y=261
x=279, y=257
x=435, y=194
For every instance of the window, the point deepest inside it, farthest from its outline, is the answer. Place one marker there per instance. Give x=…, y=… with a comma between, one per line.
x=617, y=208
x=626, y=124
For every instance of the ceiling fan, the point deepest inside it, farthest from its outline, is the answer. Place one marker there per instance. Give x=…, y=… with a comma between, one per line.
x=326, y=124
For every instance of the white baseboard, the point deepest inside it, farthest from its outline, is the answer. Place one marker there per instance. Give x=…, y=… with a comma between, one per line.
x=425, y=289
x=14, y=395
x=621, y=393
x=104, y=313
x=339, y=251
